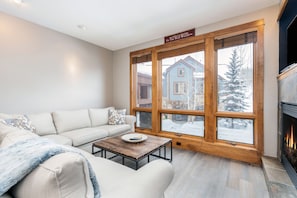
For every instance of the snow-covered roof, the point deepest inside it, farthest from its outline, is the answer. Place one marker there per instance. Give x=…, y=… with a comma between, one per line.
x=189, y=62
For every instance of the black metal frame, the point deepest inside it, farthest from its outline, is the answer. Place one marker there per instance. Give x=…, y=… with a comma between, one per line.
x=104, y=150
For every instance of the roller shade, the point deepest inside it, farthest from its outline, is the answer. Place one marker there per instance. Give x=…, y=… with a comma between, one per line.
x=142, y=59
x=181, y=51
x=250, y=37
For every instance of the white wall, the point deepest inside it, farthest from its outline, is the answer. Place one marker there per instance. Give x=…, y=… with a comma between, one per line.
x=44, y=70
x=121, y=68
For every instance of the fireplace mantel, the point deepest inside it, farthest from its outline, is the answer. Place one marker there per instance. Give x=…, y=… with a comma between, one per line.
x=291, y=69
x=287, y=83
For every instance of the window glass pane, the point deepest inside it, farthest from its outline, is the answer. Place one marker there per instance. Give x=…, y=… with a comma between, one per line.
x=183, y=82
x=185, y=124
x=236, y=130
x=144, y=84
x=144, y=120
x=235, y=78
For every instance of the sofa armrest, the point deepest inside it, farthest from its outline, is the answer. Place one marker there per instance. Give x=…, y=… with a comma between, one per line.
x=131, y=119
x=64, y=175
x=149, y=181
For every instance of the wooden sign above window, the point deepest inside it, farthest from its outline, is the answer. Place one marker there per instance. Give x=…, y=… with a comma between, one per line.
x=179, y=36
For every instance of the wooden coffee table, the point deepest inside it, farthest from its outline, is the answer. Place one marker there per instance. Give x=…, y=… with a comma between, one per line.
x=134, y=151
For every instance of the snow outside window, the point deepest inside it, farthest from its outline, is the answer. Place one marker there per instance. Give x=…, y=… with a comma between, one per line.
x=183, y=124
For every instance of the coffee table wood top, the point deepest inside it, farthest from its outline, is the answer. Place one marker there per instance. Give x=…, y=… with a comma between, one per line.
x=133, y=150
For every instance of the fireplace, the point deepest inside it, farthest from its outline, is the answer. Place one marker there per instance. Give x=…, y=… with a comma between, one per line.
x=289, y=140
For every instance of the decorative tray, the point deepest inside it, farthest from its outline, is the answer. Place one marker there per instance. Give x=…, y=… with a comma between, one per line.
x=134, y=137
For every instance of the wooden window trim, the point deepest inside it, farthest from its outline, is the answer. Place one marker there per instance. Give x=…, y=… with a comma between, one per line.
x=208, y=144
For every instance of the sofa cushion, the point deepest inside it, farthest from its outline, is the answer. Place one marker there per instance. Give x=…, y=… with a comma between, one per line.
x=59, y=139
x=85, y=135
x=71, y=120
x=64, y=175
x=110, y=174
x=43, y=123
x=116, y=116
x=99, y=116
x=115, y=129
x=9, y=135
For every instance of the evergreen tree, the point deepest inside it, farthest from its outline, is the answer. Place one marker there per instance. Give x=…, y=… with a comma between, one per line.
x=233, y=93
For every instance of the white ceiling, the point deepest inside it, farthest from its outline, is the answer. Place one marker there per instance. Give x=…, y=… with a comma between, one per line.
x=116, y=24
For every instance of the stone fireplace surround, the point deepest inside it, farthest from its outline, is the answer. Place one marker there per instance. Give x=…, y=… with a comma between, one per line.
x=287, y=93
x=278, y=181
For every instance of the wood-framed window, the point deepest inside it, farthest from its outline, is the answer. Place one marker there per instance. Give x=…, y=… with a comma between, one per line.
x=235, y=87
x=142, y=89
x=180, y=72
x=179, y=88
x=207, y=92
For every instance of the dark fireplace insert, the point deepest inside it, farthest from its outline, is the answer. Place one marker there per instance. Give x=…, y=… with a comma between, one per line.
x=289, y=137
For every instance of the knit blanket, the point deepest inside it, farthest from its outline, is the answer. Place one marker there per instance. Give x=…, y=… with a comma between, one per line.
x=19, y=159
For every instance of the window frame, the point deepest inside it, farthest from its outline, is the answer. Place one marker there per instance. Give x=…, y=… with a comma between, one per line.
x=209, y=143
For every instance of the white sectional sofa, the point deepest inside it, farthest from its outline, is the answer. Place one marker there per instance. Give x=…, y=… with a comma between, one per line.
x=66, y=175
x=78, y=128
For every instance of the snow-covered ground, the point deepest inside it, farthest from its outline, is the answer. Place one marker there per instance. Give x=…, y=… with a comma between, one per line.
x=191, y=128
x=243, y=135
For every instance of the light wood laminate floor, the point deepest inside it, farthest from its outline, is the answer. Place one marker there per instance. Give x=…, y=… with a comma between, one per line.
x=199, y=175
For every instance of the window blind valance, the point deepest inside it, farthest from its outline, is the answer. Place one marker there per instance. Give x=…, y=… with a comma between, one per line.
x=250, y=37
x=180, y=51
x=142, y=59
